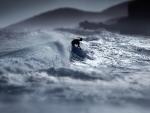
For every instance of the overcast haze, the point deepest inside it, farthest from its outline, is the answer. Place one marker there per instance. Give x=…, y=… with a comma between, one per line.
x=13, y=11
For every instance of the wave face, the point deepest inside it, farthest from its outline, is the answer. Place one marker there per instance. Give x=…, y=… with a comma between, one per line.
x=36, y=65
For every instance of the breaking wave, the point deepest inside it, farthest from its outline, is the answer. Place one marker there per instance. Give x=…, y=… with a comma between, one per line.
x=39, y=62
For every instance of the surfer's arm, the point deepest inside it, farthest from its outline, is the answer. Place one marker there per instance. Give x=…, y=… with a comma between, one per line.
x=78, y=44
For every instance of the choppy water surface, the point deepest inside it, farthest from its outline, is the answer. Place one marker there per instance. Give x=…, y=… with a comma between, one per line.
x=36, y=74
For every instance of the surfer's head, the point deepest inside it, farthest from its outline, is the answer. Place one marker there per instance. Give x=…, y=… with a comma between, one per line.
x=80, y=39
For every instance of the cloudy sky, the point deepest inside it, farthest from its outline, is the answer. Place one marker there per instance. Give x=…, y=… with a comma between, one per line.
x=13, y=11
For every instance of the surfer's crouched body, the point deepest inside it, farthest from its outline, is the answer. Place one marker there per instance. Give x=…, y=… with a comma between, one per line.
x=76, y=42
x=76, y=52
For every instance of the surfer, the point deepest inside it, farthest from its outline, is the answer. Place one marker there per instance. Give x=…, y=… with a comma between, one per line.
x=76, y=51
x=76, y=42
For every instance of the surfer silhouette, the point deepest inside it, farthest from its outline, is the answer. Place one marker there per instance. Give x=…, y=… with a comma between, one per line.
x=76, y=42
x=76, y=52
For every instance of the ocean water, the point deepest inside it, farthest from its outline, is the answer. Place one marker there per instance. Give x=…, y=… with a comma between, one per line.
x=39, y=74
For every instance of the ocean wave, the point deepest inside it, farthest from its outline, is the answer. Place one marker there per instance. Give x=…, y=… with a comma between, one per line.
x=39, y=63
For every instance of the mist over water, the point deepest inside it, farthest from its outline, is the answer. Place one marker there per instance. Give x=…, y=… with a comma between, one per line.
x=36, y=74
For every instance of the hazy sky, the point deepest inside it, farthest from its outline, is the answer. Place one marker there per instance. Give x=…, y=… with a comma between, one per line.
x=12, y=11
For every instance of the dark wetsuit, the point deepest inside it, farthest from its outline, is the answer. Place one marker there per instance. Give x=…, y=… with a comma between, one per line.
x=75, y=42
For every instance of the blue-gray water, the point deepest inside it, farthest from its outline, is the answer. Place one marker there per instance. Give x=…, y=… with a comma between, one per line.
x=36, y=74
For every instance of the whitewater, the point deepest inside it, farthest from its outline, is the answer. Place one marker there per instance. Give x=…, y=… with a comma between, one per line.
x=37, y=75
